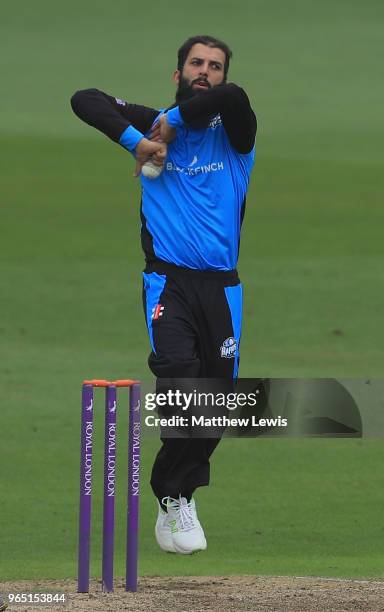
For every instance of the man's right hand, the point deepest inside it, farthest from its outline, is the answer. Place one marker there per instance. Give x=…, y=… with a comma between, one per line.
x=146, y=149
x=161, y=131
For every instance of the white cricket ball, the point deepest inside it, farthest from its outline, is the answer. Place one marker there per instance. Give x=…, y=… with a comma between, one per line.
x=150, y=170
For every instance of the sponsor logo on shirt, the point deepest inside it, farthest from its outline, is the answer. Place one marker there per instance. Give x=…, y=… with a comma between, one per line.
x=215, y=122
x=157, y=311
x=189, y=171
x=228, y=348
x=119, y=101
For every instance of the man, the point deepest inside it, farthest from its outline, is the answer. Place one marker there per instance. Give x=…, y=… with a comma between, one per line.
x=191, y=220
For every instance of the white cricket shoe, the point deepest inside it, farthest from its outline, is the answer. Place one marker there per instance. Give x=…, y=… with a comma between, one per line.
x=186, y=532
x=163, y=531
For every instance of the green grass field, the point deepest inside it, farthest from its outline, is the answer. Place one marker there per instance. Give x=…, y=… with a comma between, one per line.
x=311, y=261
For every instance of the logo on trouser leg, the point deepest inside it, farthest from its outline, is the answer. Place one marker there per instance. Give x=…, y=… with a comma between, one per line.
x=228, y=348
x=157, y=312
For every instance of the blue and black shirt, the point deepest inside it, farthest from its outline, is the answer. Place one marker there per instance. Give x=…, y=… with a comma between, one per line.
x=192, y=213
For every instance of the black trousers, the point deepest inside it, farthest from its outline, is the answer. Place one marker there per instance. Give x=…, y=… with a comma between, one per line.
x=194, y=325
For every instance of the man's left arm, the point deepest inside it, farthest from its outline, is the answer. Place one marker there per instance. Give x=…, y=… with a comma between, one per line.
x=235, y=110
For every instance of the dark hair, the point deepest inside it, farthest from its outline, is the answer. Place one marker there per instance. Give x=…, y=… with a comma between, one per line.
x=209, y=41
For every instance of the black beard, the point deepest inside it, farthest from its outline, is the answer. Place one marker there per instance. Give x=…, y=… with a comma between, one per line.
x=185, y=92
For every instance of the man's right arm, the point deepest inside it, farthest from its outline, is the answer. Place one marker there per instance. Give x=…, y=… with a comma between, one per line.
x=123, y=123
x=235, y=110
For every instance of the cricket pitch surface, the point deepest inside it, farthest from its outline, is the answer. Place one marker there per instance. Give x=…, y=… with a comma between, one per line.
x=216, y=593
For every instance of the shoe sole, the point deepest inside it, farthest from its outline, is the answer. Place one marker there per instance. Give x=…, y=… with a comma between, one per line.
x=167, y=550
x=192, y=552
x=180, y=551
